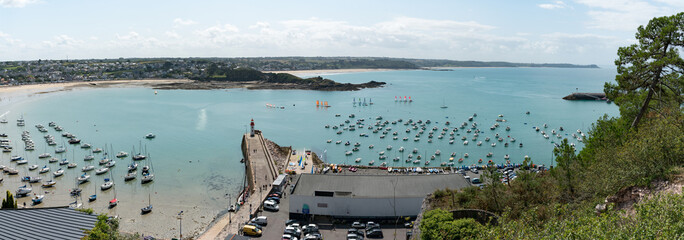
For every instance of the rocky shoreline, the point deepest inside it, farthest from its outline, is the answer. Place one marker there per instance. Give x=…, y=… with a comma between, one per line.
x=208, y=85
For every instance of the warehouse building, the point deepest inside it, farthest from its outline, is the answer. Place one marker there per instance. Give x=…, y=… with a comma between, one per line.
x=366, y=196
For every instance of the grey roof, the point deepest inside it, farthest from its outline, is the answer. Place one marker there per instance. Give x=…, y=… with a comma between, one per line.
x=377, y=186
x=44, y=223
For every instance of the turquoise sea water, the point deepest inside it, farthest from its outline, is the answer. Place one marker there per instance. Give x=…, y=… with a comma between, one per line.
x=196, y=153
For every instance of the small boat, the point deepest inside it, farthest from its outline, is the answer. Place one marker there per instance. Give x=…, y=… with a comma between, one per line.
x=132, y=167
x=401, y=149
x=490, y=154
x=122, y=154
x=23, y=190
x=438, y=152
x=37, y=199
x=130, y=176
x=86, y=145
x=60, y=149
x=113, y=203
x=53, y=160
x=104, y=161
x=97, y=150
x=147, y=177
x=88, y=158
x=506, y=157
x=44, y=155
x=111, y=164
x=150, y=136
x=31, y=179
x=348, y=153
x=88, y=168
x=23, y=161
x=64, y=162
x=329, y=141
x=138, y=157
x=494, y=144
x=49, y=183
x=465, y=155
x=148, y=208
x=371, y=146
x=358, y=160
x=389, y=147
x=107, y=185
x=33, y=167
x=371, y=162
x=83, y=178
x=58, y=173
x=44, y=169
x=72, y=165
x=101, y=170
x=465, y=142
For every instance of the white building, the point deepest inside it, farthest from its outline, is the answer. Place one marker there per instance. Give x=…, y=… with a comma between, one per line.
x=366, y=196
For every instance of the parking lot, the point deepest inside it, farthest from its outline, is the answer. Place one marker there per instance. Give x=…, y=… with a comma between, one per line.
x=328, y=230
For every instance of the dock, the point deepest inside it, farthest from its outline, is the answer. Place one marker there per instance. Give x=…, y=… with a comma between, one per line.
x=261, y=171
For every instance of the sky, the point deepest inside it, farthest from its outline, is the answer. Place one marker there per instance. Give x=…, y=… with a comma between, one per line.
x=569, y=31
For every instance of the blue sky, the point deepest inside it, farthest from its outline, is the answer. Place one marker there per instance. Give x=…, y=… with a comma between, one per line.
x=579, y=31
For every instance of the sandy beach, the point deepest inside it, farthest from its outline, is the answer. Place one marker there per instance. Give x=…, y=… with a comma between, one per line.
x=9, y=91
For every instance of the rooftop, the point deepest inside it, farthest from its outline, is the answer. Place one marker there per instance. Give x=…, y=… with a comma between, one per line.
x=376, y=186
x=45, y=223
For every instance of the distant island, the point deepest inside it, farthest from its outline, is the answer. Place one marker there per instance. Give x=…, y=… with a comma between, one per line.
x=210, y=73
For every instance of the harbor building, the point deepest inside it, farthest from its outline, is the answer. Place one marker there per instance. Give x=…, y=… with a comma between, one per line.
x=366, y=196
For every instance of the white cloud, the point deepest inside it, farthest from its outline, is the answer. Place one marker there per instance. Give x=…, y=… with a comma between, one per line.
x=627, y=15
x=183, y=22
x=555, y=5
x=16, y=3
x=172, y=34
x=62, y=41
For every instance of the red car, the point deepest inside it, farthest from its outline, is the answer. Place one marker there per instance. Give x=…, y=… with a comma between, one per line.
x=352, y=169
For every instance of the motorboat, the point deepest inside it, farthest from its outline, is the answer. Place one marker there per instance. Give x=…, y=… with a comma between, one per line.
x=64, y=162
x=88, y=158
x=44, y=169
x=33, y=167
x=86, y=145
x=104, y=161
x=53, y=160
x=150, y=136
x=44, y=155
x=358, y=160
x=97, y=150
x=60, y=149
x=72, y=165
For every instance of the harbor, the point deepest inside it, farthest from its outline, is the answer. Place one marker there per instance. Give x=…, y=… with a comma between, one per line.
x=197, y=148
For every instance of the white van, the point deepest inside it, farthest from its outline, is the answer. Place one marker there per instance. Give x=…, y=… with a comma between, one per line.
x=261, y=220
x=271, y=205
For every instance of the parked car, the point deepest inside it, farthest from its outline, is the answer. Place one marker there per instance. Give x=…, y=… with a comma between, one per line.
x=255, y=225
x=311, y=228
x=353, y=169
x=313, y=236
x=296, y=230
x=261, y=220
x=251, y=230
x=275, y=199
x=475, y=181
x=290, y=232
x=275, y=194
x=371, y=225
x=358, y=225
x=290, y=222
x=355, y=231
x=374, y=233
x=271, y=206
x=352, y=236
x=289, y=237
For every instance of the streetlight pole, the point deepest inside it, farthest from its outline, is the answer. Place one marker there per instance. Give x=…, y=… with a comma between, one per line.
x=230, y=205
x=180, y=217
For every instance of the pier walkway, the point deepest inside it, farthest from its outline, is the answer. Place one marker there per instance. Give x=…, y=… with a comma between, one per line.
x=261, y=172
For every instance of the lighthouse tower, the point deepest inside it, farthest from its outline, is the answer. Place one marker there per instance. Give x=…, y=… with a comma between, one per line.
x=251, y=131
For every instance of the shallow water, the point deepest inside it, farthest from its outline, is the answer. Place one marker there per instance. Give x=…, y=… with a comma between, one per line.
x=196, y=153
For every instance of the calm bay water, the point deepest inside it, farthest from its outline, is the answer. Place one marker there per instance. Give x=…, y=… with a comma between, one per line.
x=196, y=154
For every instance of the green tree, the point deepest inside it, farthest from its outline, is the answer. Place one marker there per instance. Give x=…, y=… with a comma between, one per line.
x=566, y=169
x=651, y=68
x=439, y=224
x=9, y=202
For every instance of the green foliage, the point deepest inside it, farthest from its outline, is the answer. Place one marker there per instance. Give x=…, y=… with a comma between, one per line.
x=8, y=202
x=567, y=168
x=659, y=218
x=440, y=225
x=105, y=229
x=88, y=211
x=650, y=69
